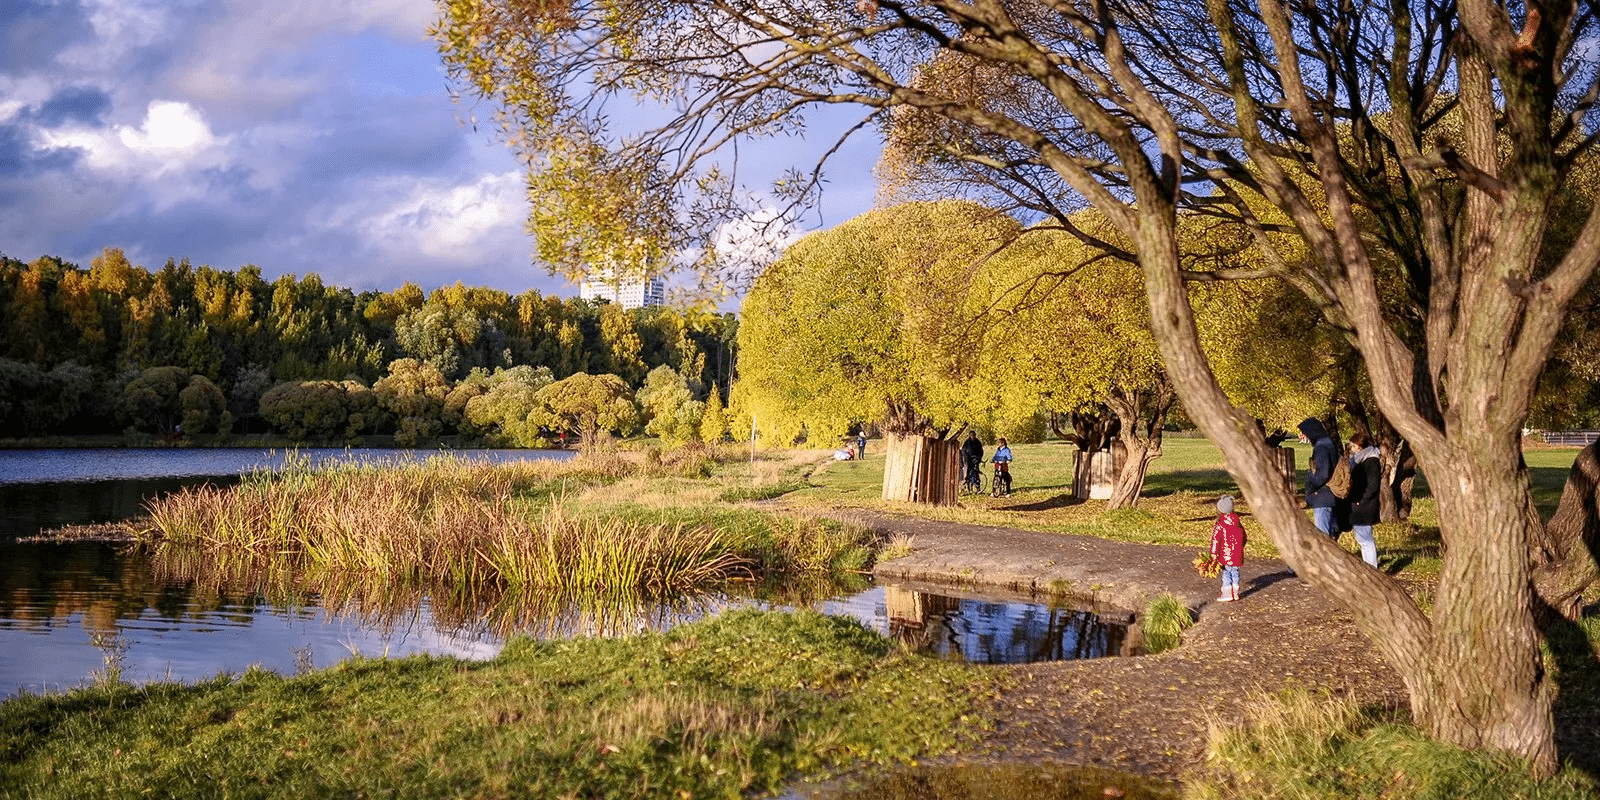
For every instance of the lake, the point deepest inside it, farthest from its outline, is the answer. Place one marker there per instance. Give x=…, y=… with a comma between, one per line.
x=69, y=610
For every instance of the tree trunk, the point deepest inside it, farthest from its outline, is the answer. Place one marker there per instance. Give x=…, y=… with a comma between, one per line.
x=1564, y=549
x=1487, y=687
x=1139, y=417
x=921, y=469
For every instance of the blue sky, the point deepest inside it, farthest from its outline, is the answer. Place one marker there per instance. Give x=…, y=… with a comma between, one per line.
x=296, y=135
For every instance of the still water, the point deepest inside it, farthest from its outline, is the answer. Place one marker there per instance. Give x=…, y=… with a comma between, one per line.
x=66, y=610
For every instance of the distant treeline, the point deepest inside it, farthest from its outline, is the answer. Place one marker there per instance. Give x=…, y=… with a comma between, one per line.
x=117, y=347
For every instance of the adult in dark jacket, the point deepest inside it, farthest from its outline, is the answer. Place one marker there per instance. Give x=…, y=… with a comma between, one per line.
x=1319, y=498
x=971, y=456
x=1366, y=476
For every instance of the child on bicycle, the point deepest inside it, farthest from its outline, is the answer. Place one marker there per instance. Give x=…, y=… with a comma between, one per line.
x=1002, y=468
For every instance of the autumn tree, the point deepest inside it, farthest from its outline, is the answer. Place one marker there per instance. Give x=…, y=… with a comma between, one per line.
x=414, y=393
x=586, y=405
x=881, y=320
x=509, y=403
x=1150, y=112
x=670, y=410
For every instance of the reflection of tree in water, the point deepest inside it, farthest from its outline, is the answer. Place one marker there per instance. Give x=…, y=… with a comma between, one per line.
x=476, y=611
x=979, y=631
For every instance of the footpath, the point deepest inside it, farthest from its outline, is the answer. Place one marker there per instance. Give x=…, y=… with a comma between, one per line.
x=1147, y=715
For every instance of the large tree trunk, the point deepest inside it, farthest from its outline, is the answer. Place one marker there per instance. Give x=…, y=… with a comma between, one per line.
x=1473, y=672
x=921, y=469
x=1564, y=548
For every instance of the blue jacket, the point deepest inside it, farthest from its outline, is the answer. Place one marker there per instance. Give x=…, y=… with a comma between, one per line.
x=1001, y=454
x=1323, y=453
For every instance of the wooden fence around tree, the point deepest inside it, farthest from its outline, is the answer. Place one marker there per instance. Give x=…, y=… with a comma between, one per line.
x=921, y=470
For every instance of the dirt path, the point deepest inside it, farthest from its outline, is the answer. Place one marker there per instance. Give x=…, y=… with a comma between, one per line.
x=1145, y=715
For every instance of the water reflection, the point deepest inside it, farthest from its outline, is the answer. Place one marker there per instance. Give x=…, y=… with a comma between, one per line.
x=983, y=630
x=183, y=618
x=179, y=617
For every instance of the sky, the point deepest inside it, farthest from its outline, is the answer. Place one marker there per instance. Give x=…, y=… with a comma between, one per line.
x=296, y=135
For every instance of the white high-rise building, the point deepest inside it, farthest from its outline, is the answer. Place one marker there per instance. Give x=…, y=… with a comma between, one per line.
x=627, y=291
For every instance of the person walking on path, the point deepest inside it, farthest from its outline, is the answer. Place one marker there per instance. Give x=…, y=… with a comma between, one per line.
x=1227, y=546
x=1002, y=467
x=1319, y=498
x=1366, y=473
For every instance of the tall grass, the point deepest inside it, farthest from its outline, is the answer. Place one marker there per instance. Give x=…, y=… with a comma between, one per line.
x=469, y=524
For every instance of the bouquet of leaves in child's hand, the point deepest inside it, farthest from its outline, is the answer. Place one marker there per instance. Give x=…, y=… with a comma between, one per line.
x=1207, y=565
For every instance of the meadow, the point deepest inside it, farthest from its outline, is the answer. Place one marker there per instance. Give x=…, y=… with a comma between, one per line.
x=732, y=706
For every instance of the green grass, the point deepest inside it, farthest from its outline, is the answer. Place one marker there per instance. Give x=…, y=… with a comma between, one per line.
x=1305, y=746
x=725, y=707
x=1165, y=620
x=1176, y=507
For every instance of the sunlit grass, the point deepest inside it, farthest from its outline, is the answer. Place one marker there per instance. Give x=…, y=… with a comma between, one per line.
x=1303, y=745
x=608, y=524
x=730, y=707
x=1177, y=506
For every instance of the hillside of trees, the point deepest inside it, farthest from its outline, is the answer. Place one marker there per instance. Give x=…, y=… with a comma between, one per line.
x=116, y=348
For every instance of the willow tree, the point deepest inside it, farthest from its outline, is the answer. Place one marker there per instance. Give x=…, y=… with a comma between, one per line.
x=880, y=320
x=1143, y=110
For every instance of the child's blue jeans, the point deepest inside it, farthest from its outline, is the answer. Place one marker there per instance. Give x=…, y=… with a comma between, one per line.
x=1230, y=577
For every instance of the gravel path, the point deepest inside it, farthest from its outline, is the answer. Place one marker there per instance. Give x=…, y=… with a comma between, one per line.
x=1146, y=715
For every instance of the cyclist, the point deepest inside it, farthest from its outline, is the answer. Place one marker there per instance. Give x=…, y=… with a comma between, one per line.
x=971, y=457
x=1002, y=468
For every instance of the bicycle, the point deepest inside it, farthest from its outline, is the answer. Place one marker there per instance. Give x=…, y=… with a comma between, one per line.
x=1001, y=478
x=972, y=479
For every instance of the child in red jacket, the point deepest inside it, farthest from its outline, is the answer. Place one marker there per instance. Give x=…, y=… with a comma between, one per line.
x=1227, y=546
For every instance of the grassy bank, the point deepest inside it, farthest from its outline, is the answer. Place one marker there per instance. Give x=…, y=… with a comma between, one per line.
x=720, y=708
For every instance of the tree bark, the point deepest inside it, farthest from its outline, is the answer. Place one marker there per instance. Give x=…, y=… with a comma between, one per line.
x=1139, y=416
x=1564, y=548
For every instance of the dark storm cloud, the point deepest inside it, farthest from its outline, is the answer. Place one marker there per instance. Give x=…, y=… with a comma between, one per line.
x=31, y=33
x=18, y=156
x=81, y=104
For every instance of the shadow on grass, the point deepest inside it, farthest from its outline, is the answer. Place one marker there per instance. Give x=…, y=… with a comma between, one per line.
x=1577, y=674
x=1199, y=481
x=1420, y=543
x=1058, y=501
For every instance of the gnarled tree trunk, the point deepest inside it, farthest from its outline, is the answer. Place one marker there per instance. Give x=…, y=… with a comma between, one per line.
x=1564, y=548
x=1139, y=417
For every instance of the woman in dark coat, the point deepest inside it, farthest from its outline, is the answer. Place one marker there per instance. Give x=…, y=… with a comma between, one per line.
x=1366, y=476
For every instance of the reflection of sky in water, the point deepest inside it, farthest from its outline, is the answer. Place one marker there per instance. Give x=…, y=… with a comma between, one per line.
x=183, y=641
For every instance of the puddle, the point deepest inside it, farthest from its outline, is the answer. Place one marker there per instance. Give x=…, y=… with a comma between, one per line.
x=990, y=630
x=989, y=781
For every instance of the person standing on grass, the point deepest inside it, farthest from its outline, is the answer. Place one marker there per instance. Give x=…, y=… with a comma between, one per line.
x=971, y=457
x=1366, y=474
x=1227, y=546
x=861, y=443
x=1002, y=467
x=1319, y=498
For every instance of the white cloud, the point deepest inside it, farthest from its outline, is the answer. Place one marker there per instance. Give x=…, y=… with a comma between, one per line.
x=173, y=137
x=170, y=128
x=441, y=219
